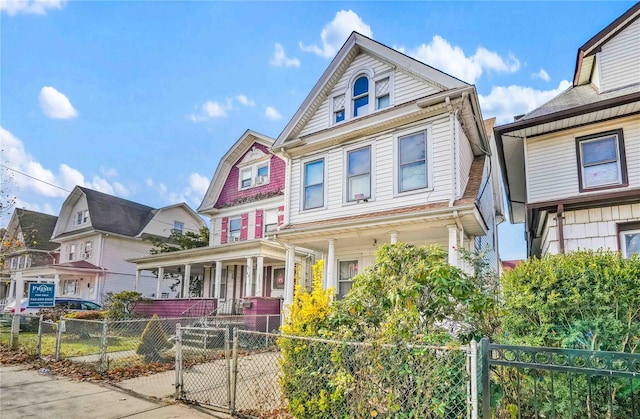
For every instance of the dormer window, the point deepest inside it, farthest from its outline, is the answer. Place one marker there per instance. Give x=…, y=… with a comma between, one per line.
x=361, y=96
x=82, y=217
x=338, y=108
x=254, y=169
x=383, y=97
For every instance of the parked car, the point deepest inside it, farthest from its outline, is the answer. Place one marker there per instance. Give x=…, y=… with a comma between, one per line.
x=67, y=304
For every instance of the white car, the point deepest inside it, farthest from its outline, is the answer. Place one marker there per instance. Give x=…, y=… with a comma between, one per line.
x=11, y=308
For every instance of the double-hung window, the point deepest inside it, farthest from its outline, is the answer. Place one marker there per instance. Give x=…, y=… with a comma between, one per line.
x=601, y=160
x=629, y=236
x=246, y=178
x=72, y=252
x=412, y=162
x=361, y=96
x=178, y=227
x=383, y=98
x=359, y=174
x=338, y=108
x=270, y=220
x=235, y=225
x=88, y=249
x=348, y=269
x=314, y=184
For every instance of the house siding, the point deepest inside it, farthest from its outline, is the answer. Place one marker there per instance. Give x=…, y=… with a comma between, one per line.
x=465, y=158
x=552, y=170
x=162, y=223
x=230, y=193
x=383, y=175
x=619, y=63
x=594, y=228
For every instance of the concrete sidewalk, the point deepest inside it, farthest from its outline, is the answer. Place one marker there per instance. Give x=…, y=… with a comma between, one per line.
x=28, y=393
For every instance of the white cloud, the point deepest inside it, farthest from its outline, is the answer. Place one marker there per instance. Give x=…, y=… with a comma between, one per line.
x=29, y=176
x=541, y=75
x=209, y=110
x=271, y=113
x=36, y=7
x=245, y=100
x=192, y=194
x=55, y=105
x=108, y=171
x=336, y=32
x=506, y=102
x=280, y=59
x=440, y=54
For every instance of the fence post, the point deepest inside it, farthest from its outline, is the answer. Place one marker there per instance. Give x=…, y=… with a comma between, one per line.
x=39, y=341
x=61, y=328
x=227, y=356
x=486, y=379
x=178, y=360
x=103, y=346
x=234, y=371
x=474, y=378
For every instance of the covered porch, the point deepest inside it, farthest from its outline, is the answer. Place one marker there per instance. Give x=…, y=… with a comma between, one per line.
x=230, y=279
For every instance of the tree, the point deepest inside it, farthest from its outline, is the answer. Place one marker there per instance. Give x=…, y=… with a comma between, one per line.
x=120, y=305
x=154, y=341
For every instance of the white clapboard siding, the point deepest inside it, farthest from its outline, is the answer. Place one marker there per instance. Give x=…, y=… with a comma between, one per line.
x=465, y=157
x=408, y=88
x=619, y=62
x=552, y=168
x=383, y=168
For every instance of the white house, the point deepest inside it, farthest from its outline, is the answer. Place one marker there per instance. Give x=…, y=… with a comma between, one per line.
x=383, y=149
x=96, y=233
x=571, y=168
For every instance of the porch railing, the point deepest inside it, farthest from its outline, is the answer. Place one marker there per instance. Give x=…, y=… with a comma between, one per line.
x=199, y=309
x=229, y=307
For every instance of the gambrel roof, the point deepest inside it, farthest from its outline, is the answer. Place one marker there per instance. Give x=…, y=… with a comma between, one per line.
x=356, y=44
x=227, y=162
x=36, y=228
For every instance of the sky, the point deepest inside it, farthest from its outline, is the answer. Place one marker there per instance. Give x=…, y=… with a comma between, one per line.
x=141, y=99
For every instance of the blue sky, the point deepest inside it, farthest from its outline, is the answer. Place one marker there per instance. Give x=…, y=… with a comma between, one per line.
x=141, y=99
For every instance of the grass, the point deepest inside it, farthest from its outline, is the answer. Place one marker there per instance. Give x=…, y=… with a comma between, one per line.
x=71, y=345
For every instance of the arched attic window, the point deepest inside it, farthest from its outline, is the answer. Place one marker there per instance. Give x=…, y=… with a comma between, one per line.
x=360, y=96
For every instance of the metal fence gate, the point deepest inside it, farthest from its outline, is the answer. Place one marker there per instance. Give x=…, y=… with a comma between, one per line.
x=538, y=382
x=203, y=366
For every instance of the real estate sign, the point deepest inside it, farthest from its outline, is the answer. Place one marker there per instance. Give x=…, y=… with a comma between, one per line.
x=41, y=295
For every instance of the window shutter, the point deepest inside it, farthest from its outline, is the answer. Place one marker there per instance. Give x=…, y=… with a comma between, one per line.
x=223, y=232
x=244, y=226
x=259, y=223
x=280, y=215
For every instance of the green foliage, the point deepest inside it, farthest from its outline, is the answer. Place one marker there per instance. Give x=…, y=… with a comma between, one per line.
x=120, y=306
x=410, y=294
x=179, y=241
x=582, y=300
x=154, y=341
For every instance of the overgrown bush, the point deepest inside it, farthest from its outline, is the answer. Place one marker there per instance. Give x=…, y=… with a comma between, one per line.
x=586, y=300
x=120, y=305
x=154, y=342
x=411, y=295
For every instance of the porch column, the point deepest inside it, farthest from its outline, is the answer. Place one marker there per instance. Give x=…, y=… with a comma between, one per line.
x=331, y=266
x=452, y=249
x=206, y=281
x=289, y=279
x=249, y=278
x=259, y=275
x=186, y=281
x=56, y=281
x=393, y=237
x=137, y=287
x=218, y=280
x=159, y=281
x=12, y=289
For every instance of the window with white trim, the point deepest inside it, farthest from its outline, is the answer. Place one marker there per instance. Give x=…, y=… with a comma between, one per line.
x=601, y=160
x=359, y=174
x=235, y=225
x=254, y=175
x=88, y=250
x=14, y=263
x=412, y=162
x=223, y=283
x=360, y=96
x=314, y=184
x=629, y=238
x=70, y=287
x=82, y=217
x=72, y=252
x=383, y=95
x=178, y=227
x=338, y=108
x=27, y=261
x=347, y=270
x=270, y=220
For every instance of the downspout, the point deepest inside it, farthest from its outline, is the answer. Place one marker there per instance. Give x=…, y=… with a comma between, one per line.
x=560, y=218
x=453, y=117
x=287, y=186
